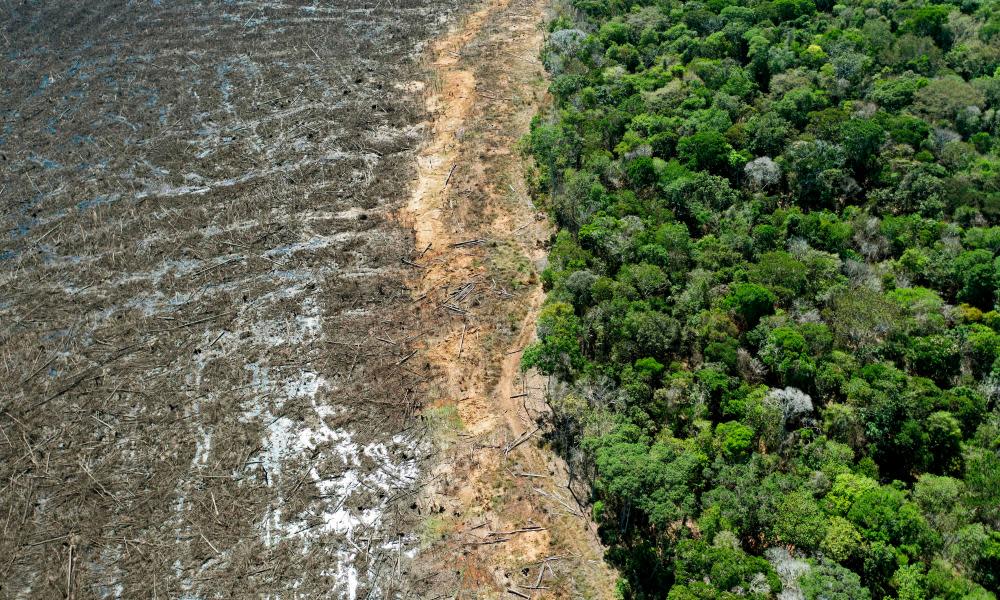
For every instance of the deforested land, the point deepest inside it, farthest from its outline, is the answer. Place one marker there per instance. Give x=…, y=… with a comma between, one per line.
x=203, y=313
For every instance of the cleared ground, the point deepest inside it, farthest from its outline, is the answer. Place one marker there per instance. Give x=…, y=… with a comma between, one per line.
x=207, y=386
x=500, y=519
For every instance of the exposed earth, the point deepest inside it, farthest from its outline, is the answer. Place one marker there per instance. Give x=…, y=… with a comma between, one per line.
x=502, y=519
x=264, y=275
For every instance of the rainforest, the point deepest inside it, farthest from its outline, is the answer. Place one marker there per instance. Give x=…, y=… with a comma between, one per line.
x=771, y=327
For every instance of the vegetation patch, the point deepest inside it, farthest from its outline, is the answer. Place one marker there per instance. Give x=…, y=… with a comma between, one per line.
x=772, y=299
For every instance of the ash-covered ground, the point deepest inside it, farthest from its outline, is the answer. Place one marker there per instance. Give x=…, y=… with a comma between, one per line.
x=205, y=388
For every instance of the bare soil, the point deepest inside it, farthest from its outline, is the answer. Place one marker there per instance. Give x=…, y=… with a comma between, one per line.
x=500, y=519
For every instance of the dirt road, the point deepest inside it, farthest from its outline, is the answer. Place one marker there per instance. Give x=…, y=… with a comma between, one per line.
x=498, y=517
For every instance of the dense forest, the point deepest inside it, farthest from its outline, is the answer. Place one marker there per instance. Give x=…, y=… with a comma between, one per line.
x=772, y=298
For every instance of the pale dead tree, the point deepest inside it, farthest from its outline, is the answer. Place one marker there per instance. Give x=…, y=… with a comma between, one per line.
x=991, y=387
x=561, y=44
x=865, y=110
x=869, y=239
x=789, y=569
x=799, y=248
x=762, y=173
x=641, y=150
x=793, y=402
x=751, y=369
x=807, y=313
x=862, y=274
x=941, y=136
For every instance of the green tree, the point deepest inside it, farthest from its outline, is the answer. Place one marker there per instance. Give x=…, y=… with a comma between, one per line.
x=885, y=515
x=977, y=277
x=861, y=318
x=772, y=296
x=558, y=350
x=940, y=501
x=894, y=93
x=787, y=354
x=847, y=489
x=930, y=21
x=648, y=333
x=944, y=443
x=842, y=541
x=830, y=581
x=735, y=440
x=749, y=303
x=781, y=273
x=705, y=151
x=815, y=172
x=862, y=140
x=767, y=133
x=936, y=356
x=800, y=522
x=942, y=99
x=723, y=568
x=909, y=583
x=786, y=10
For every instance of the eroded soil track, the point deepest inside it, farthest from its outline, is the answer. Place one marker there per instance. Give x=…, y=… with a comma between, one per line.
x=498, y=517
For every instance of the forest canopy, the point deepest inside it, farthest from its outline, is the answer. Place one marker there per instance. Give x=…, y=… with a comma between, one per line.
x=772, y=298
